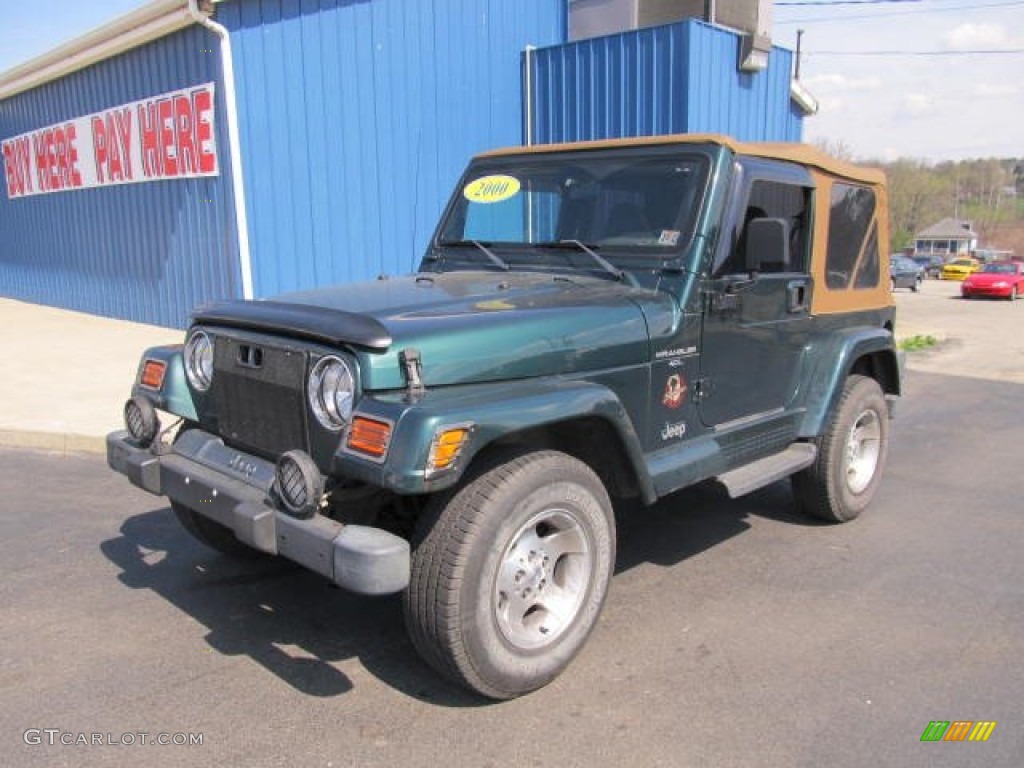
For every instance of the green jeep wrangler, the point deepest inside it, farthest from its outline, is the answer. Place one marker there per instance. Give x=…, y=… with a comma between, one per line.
x=591, y=322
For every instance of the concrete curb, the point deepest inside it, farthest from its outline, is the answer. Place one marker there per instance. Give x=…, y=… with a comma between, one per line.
x=56, y=442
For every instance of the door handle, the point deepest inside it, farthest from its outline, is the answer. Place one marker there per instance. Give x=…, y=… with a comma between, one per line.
x=796, y=296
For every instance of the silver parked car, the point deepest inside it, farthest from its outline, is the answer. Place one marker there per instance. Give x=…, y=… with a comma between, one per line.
x=905, y=273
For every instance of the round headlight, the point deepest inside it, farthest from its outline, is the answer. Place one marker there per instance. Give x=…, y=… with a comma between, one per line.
x=199, y=360
x=331, y=391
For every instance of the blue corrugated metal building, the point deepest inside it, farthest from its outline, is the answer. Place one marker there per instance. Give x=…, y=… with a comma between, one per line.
x=357, y=118
x=339, y=125
x=141, y=251
x=672, y=78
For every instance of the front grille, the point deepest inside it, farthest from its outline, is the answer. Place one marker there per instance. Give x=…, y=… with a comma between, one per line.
x=259, y=396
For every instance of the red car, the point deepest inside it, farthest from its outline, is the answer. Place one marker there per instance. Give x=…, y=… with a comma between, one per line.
x=1000, y=278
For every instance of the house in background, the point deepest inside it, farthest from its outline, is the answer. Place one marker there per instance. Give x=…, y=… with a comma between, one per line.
x=949, y=238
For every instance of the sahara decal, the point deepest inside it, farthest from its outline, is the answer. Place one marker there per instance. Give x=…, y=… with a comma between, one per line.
x=675, y=391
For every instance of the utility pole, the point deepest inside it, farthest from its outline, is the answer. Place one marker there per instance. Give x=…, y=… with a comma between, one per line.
x=799, y=46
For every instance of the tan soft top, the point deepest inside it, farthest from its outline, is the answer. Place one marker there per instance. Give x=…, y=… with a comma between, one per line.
x=803, y=154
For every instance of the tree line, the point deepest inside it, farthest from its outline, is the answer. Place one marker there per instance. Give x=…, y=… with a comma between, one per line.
x=989, y=193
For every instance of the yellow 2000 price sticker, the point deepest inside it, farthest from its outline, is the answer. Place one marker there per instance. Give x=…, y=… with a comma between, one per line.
x=491, y=189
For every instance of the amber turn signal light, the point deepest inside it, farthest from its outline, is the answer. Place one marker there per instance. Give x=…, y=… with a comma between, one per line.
x=369, y=436
x=445, y=448
x=153, y=374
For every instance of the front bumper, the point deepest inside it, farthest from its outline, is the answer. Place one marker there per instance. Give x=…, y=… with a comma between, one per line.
x=233, y=488
x=986, y=290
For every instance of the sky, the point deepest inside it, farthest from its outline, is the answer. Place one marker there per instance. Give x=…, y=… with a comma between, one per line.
x=920, y=79
x=943, y=93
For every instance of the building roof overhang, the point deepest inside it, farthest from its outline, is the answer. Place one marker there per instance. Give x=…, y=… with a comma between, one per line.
x=150, y=22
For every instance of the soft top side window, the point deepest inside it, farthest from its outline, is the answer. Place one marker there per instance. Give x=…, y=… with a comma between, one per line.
x=852, y=238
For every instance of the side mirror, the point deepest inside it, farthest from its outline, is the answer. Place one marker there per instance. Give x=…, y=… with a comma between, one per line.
x=767, y=245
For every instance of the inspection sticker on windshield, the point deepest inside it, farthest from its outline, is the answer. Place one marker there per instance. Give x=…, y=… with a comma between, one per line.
x=491, y=189
x=668, y=237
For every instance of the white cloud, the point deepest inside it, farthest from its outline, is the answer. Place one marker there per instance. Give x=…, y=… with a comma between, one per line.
x=918, y=103
x=836, y=82
x=830, y=104
x=972, y=37
x=991, y=89
x=930, y=107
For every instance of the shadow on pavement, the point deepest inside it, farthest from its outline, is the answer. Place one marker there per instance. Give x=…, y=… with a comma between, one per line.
x=298, y=626
x=695, y=519
x=292, y=622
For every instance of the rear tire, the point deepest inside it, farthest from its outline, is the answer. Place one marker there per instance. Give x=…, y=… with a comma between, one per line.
x=917, y=284
x=509, y=573
x=843, y=479
x=1013, y=293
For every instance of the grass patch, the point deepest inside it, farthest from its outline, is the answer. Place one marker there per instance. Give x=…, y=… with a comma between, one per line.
x=917, y=343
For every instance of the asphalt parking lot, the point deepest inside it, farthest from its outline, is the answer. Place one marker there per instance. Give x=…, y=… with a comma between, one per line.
x=981, y=338
x=737, y=633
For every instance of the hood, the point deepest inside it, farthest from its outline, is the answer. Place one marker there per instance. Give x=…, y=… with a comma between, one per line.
x=468, y=326
x=989, y=278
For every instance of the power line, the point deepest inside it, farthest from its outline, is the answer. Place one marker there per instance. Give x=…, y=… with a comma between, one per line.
x=846, y=2
x=855, y=17
x=996, y=52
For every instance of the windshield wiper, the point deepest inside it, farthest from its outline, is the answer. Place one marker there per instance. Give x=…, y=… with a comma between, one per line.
x=600, y=260
x=494, y=258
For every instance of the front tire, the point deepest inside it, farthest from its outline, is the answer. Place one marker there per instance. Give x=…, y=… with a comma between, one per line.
x=841, y=482
x=917, y=284
x=510, y=572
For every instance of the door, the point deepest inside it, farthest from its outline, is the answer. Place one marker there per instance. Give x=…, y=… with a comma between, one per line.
x=756, y=321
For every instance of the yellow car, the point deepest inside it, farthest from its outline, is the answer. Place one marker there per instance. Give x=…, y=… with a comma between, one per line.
x=959, y=269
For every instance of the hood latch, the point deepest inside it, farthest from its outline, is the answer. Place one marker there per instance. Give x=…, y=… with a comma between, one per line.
x=412, y=367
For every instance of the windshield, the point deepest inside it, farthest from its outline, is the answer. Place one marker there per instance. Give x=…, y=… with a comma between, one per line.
x=1000, y=269
x=613, y=201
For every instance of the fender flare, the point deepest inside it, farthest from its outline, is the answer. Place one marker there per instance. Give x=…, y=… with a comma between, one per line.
x=835, y=361
x=174, y=396
x=493, y=411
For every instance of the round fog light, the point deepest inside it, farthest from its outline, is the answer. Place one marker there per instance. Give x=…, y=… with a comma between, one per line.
x=141, y=420
x=299, y=484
